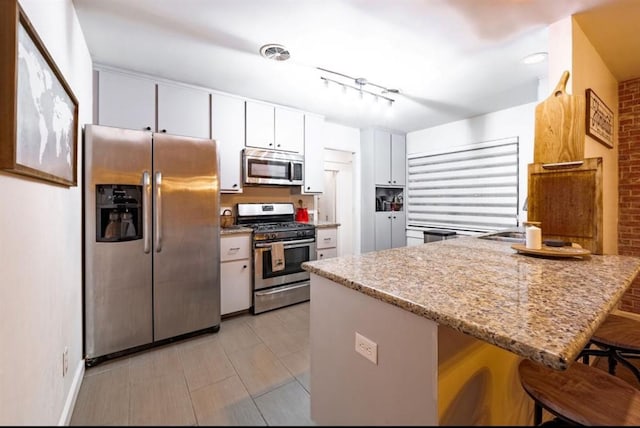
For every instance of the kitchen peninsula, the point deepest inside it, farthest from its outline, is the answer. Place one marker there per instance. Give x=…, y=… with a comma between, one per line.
x=443, y=326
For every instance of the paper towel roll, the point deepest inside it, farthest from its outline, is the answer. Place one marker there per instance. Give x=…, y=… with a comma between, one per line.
x=533, y=238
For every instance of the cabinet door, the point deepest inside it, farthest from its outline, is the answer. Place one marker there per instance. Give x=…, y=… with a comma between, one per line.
x=327, y=253
x=382, y=230
x=398, y=232
x=313, y=154
x=398, y=159
x=183, y=111
x=289, y=130
x=381, y=157
x=235, y=286
x=125, y=101
x=227, y=128
x=259, y=125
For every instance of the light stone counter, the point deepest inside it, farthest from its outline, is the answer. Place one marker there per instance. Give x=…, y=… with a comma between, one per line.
x=543, y=309
x=235, y=230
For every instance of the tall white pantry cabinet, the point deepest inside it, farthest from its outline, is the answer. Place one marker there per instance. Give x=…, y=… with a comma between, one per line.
x=383, y=180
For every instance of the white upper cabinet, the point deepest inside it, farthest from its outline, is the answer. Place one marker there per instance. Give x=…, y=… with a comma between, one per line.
x=389, y=158
x=313, y=154
x=183, y=111
x=289, y=130
x=227, y=128
x=260, y=125
x=275, y=128
x=125, y=101
x=398, y=159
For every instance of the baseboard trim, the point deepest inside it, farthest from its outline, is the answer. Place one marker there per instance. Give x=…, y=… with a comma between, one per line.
x=70, y=402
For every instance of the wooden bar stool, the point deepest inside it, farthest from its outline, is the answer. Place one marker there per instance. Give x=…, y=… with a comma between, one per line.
x=581, y=395
x=618, y=339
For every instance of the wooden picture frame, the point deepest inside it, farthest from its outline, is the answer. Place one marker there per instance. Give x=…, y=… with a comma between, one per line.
x=599, y=119
x=38, y=110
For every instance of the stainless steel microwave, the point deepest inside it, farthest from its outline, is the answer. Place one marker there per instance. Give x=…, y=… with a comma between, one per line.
x=272, y=167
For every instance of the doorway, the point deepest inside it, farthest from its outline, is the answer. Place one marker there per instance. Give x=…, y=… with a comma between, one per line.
x=336, y=204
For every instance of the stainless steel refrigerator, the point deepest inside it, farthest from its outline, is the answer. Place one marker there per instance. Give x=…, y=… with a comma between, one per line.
x=151, y=239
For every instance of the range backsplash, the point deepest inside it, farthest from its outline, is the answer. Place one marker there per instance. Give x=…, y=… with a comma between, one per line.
x=261, y=194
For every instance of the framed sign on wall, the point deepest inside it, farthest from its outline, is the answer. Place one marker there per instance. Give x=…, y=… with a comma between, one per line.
x=38, y=110
x=599, y=119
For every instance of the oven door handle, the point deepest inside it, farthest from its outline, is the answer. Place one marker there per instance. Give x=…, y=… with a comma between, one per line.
x=290, y=244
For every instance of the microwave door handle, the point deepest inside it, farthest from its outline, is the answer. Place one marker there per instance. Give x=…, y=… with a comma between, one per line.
x=291, y=171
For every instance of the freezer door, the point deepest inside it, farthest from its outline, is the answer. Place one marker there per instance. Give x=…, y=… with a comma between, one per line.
x=117, y=275
x=186, y=241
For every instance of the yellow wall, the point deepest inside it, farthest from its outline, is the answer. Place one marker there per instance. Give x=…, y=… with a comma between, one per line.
x=589, y=71
x=570, y=49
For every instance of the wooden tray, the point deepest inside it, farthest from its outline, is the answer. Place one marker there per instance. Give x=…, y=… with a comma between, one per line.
x=547, y=251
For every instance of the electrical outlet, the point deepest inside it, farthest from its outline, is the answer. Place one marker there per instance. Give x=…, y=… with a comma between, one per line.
x=65, y=361
x=367, y=348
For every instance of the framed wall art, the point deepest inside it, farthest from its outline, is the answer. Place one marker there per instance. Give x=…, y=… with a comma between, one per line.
x=39, y=114
x=599, y=119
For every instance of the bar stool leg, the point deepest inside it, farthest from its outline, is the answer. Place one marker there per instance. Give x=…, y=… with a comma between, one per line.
x=537, y=414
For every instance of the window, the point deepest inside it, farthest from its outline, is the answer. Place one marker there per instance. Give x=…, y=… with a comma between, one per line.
x=472, y=188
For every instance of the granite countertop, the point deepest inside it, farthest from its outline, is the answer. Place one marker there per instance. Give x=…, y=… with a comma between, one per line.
x=325, y=224
x=235, y=229
x=544, y=309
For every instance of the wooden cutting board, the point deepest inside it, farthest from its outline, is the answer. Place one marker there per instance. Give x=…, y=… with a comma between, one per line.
x=560, y=126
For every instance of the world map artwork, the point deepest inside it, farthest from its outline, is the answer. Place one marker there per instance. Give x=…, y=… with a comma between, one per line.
x=45, y=125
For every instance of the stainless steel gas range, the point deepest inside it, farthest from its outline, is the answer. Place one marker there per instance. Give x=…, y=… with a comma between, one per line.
x=280, y=246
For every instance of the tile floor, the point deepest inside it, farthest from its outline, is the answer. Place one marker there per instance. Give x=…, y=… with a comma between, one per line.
x=254, y=371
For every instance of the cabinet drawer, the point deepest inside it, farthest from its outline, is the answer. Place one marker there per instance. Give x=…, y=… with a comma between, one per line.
x=327, y=253
x=235, y=247
x=327, y=238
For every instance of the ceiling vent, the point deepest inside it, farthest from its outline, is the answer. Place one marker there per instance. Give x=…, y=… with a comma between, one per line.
x=275, y=52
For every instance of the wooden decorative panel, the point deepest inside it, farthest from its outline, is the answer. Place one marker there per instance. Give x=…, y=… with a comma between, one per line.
x=568, y=202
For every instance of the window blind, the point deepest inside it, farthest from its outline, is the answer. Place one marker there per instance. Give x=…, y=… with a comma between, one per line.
x=467, y=188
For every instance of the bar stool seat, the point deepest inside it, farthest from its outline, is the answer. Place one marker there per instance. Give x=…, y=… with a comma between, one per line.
x=581, y=394
x=618, y=339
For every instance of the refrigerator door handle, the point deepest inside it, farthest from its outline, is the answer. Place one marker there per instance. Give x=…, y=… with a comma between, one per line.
x=158, y=205
x=146, y=207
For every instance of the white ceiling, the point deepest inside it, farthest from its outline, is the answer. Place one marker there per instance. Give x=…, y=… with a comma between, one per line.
x=450, y=59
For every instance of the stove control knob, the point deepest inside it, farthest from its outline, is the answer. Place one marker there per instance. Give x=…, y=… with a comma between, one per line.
x=272, y=236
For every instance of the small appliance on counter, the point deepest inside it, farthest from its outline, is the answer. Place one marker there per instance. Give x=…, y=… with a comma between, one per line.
x=302, y=214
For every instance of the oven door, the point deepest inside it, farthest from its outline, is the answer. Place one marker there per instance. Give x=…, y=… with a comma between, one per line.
x=295, y=253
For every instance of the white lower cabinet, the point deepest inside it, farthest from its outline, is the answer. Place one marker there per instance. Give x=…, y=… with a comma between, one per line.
x=235, y=273
x=326, y=242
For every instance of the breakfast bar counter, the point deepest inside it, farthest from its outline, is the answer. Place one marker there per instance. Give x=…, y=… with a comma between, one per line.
x=543, y=309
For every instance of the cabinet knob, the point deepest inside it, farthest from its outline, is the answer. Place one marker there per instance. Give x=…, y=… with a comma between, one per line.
x=278, y=145
x=148, y=128
x=308, y=187
x=394, y=216
x=164, y=130
x=244, y=266
x=394, y=181
x=389, y=217
x=271, y=144
x=389, y=181
x=235, y=185
x=321, y=255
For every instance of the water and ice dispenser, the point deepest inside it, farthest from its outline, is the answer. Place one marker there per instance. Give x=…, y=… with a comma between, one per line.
x=118, y=212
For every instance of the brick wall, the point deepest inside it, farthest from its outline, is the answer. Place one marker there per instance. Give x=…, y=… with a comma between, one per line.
x=629, y=182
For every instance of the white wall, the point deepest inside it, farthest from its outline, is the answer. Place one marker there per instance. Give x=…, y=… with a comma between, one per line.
x=513, y=122
x=345, y=138
x=40, y=255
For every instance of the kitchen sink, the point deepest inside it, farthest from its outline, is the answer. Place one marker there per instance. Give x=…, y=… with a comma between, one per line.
x=507, y=236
